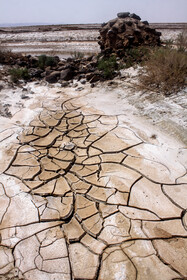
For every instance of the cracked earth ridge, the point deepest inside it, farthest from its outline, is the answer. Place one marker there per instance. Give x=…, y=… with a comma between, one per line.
x=88, y=205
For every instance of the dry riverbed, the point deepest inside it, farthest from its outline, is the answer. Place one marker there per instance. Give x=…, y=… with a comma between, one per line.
x=93, y=182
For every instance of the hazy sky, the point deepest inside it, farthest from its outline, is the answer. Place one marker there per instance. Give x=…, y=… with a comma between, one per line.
x=90, y=11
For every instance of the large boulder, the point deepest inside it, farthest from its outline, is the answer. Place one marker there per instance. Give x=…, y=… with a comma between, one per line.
x=125, y=31
x=53, y=77
x=67, y=74
x=123, y=15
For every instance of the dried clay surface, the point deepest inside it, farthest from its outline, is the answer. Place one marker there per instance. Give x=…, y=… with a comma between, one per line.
x=84, y=195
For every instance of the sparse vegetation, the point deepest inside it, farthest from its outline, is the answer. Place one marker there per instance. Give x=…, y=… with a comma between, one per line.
x=182, y=41
x=6, y=55
x=107, y=65
x=166, y=70
x=135, y=55
x=44, y=61
x=77, y=55
x=168, y=43
x=18, y=74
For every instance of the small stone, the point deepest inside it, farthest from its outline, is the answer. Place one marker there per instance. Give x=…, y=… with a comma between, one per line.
x=79, y=89
x=75, y=85
x=83, y=81
x=145, y=22
x=25, y=97
x=64, y=84
x=95, y=79
x=69, y=146
x=1, y=87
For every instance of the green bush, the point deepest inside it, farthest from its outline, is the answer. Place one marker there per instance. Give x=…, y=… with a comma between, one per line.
x=18, y=74
x=135, y=55
x=44, y=61
x=166, y=70
x=107, y=65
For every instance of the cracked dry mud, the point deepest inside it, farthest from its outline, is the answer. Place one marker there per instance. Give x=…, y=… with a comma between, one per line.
x=84, y=199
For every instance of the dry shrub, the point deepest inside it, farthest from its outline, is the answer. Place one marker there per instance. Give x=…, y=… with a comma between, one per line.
x=6, y=56
x=165, y=71
x=77, y=55
x=3, y=54
x=181, y=41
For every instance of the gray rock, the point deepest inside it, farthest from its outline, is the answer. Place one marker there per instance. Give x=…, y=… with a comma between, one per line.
x=95, y=78
x=25, y=96
x=53, y=77
x=145, y=22
x=112, y=22
x=35, y=73
x=67, y=74
x=64, y=84
x=135, y=16
x=1, y=87
x=79, y=89
x=83, y=81
x=123, y=15
x=69, y=146
x=75, y=85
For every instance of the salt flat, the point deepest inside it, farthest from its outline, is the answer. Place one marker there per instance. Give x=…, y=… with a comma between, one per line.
x=63, y=40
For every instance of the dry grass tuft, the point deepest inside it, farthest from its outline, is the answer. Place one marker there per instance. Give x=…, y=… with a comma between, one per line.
x=181, y=41
x=165, y=71
x=6, y=56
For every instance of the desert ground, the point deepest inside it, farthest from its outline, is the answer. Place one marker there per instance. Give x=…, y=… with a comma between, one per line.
x=63, y=40
x=93, y=180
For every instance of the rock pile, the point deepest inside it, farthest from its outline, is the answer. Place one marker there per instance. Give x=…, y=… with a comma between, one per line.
x=117, y=35
x=63, y=71
x=125, y=31
x=68, y=69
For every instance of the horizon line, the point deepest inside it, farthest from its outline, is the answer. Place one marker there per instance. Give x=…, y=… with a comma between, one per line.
x=47, y=24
